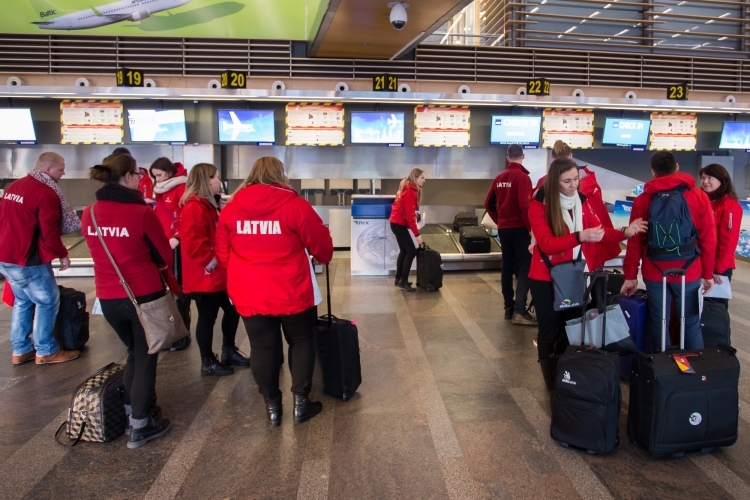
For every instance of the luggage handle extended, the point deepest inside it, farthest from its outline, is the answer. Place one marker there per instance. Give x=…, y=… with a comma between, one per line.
x=328, y=297
x=676, y=271
x=586, y=294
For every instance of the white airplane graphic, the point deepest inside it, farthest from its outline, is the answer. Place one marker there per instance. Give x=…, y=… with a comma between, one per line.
x=394, y=122
x=52, y=18
x=237, y=126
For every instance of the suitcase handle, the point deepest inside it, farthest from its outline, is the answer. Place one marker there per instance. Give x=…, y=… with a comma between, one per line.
x=675, y=271
x=586, y=294
x=328, y=296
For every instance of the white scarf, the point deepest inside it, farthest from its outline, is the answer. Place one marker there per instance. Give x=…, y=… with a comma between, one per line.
x=69, y=221
x=171, y=183
x=568, y=203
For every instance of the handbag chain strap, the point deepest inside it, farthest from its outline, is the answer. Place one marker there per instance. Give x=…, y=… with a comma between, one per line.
x=112, y=260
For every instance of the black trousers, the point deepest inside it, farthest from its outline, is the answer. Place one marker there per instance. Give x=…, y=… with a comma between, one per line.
x=208, y=304
x=551, y=338
x=140, y=370
x=407, y=251
x=183, y=299
x=514, y=243
x=266, y=350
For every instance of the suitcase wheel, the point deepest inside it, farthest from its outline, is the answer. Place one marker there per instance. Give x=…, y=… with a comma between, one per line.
x=345, y=397
x=706, y=450
x=430, y=288
x=564, y=445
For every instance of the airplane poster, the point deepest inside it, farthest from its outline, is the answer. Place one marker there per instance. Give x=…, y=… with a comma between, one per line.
x=377, y=128
x=256, y=19
x=248, y=126
x=157, y=125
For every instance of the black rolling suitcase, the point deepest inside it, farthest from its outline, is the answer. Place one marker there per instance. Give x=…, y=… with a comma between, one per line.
x=474, y=239
x=183, y=302
x=673, y=412
x=337, y=346
x=587, y=399
x=465, y=219
x=715, y=324
x=72, y=324
x=429, y=269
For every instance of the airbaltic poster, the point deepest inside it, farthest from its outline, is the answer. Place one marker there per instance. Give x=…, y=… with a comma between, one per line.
x=258, y=19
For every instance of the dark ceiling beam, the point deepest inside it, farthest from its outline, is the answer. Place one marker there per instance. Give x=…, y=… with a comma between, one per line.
x=314, y=45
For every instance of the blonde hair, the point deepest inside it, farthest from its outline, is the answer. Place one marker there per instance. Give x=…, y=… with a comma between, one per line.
x=48, y=159
x=561, y=150
x=267, y=170
x=412, y=177
x=198, y=183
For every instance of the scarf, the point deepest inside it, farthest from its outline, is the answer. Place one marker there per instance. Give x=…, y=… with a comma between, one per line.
x=568, y=204
x=168, y=185
x=69, y=221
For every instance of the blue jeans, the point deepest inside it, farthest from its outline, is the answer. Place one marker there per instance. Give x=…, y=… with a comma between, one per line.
x=37, y=300
x=693, y=334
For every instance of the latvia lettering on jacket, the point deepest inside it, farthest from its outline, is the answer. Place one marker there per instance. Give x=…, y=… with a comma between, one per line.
x=503, y=184
x=118, y=232
x=13, y=197
x=258, y=227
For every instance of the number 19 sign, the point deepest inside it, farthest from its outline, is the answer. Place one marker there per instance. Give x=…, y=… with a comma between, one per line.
x=129, y=77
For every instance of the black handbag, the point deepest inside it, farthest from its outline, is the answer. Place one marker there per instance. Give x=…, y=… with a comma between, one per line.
x=567, y=281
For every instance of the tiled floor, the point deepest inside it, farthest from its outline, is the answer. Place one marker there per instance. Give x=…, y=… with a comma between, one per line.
x=452, y=406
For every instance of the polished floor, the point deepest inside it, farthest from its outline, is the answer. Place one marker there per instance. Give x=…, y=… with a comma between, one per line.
x=452, y=406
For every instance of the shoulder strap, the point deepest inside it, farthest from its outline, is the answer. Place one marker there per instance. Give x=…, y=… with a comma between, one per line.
x=111, y=259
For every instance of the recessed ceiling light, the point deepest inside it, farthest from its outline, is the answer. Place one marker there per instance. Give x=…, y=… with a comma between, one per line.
x=709, y=22
x=608, y=6
x=723, y=38
x=725, y=15
x=534, y=10
x=675, y=36
x=667, y=11
x=595, y=14
x=570, y=29
x=622, y=32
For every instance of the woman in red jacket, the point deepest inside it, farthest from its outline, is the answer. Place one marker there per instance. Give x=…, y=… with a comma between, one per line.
x=169, y=190
x=564, y=224
x=263, y=239
x=403, y=218
x=134, y=236
x=202, y=276
x=717, y=184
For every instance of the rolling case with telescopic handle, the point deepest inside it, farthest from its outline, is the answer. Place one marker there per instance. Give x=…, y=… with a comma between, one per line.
x=682, y=401
x=587, y=399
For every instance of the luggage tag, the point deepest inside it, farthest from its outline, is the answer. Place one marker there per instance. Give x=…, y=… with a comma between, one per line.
x=682, y=362
x=97, y=309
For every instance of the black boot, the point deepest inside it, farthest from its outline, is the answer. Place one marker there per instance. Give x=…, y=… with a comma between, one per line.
x=211, y=366
x=549, y=371
x=152, y=430
x=304, y=409
x=232, y=356
x=398, y=280
x=406, y=286
x=274, y=411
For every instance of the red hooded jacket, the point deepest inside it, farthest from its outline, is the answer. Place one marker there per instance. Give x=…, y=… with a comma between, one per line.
x=168, y=206
x=703, y=220
x=403, y=211
x=559, y=249
x=133, y=235
x=30, y=217
x=507, y=201
x=145, y=184
x=197, y=240
x=728, y=218
x=261, y=240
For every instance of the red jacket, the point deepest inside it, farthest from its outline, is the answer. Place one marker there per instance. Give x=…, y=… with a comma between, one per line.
x=507, y=201
x=30, y=216
x=134, y=236
x=145, y=184
x=703, y=219
x=197, y=239
x=560, y=248
x=168, y=206
x=728, y=218
x=403, y=211
x=261, y=240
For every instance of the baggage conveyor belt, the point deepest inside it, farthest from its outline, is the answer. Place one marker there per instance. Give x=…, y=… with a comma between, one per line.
x=441, y=238
x=81, y=263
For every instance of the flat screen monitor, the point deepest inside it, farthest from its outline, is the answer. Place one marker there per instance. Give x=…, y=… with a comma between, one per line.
x=377, y=128
x=16, y=126
x=735, y=135
x=521, y=130
x=626, y=132
x=247, y=126
x=157, y=125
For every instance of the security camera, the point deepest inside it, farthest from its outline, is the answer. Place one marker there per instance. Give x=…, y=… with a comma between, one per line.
x=398, y=14
x=278, y=85
x=404, y=87
x=577, y=93
x=148, y=82
x=730, y=98
x=464, y=89
x=521, y=91
x=342, y=87
x=631, y=95
x=82, y=82
x=214, y=84
x=14, y=81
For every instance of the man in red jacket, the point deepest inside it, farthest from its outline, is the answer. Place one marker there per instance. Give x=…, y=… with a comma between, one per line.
x=30, y=224
x=699, y=272
x=507, y=203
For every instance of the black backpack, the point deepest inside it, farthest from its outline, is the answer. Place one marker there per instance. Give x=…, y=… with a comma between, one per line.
x=671, y=232
x=72, y=325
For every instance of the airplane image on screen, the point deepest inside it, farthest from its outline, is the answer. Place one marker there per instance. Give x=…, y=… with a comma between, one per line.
x=53, y=18
x=237, y=126
x=394, y=122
